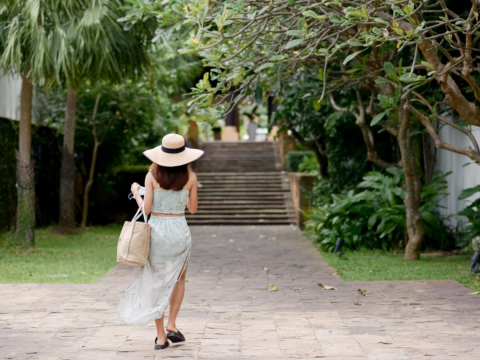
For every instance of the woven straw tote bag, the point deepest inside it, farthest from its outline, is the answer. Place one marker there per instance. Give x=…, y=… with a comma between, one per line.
x=134, y=241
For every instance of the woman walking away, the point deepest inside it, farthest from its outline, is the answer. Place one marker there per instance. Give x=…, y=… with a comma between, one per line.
x=169, y=187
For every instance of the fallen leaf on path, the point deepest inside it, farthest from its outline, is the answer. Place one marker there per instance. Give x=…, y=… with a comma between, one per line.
x=272, y=287
x=418, y=308
x=474, y=293
x=386, y=342
x=250, y=296
x=261, y=236
x=363, y=292
x=239, y=249
x=265, y=268
x=327, y=287
x=357, y=303
x=297, y=288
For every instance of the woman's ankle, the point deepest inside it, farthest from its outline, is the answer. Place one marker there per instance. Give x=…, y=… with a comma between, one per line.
x=171, y=327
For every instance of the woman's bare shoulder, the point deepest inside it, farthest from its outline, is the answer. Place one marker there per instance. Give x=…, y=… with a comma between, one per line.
x=192, y=176
x=149, y=178
x=192, y=180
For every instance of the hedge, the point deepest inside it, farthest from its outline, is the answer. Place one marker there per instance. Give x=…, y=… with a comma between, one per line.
x=7, y=173
x=46, y=154
x=294, y=158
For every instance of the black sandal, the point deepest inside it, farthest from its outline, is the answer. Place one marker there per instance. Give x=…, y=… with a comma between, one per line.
x=161, y=347
x=175, y=337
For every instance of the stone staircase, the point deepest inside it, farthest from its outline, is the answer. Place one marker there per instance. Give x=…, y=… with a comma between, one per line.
x=242, y=184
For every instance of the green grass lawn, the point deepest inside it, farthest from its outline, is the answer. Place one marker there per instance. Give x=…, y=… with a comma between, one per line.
x=83, y=257
x=371, y=265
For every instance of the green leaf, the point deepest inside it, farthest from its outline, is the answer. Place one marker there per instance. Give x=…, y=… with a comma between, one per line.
x=390, y=70
x=294, y=33
x=294, y=43
x=312, y=14
x=335, y=19
x=372, y=220
x=431, y=220
x=352, y=56
x=258, y=94
x=466, y=193
x=427, y=65
x=382, y=81
x=380, y=21
x=377, y=118
x=206, y=82
x=302, y=24
x=410, y=79
x=264, y=66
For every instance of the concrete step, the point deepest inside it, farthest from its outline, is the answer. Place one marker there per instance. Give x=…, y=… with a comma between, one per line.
x=192, y=221
x=265, y=203
x=282, y=211
x=242, y=184
x=240, y=191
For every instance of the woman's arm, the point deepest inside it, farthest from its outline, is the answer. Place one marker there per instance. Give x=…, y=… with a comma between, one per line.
x=148, y=197
x=193, y=198
x=134, y=189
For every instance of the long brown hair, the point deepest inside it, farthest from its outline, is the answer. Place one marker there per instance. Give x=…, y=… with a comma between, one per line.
x=170, y=178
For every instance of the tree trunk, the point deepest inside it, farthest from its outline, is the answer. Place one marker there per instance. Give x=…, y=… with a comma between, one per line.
x=89, y=184
x=67, y=171
x=415, y=226
x=25, y=220
x=322, y=161
x=317, y=147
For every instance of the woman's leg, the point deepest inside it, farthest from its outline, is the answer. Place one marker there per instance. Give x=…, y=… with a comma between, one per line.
x=162, y=337
x=175, y=302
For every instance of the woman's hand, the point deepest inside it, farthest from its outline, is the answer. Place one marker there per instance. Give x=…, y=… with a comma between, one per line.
x=134, y=188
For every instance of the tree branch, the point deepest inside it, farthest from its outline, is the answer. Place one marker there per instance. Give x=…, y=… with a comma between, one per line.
x=467, y=151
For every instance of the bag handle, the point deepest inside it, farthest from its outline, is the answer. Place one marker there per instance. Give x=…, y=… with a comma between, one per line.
x=140, y=212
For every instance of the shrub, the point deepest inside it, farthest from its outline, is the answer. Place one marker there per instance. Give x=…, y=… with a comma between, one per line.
x=293, y=159
x=375, y=216
x=471, y=212
x=308, y=165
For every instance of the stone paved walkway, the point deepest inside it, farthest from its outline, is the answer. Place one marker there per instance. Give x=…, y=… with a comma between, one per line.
x=228, y=312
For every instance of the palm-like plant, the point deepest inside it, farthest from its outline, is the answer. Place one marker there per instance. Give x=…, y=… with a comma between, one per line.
x=28, y=33
x=99, y=49
x=51, y=41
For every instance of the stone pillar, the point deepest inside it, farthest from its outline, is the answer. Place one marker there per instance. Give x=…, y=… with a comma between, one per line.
x=271, y=136
x=217, y=133
x=192, y=133
x=230, y=131
x=300, y=185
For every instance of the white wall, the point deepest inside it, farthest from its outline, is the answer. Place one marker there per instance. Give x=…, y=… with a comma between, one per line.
x=463, y=177
x=10, y=88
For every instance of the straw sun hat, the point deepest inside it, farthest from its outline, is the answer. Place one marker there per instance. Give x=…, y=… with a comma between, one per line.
x=173, y=152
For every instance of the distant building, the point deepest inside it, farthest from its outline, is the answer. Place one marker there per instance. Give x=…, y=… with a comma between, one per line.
x=10, y=88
